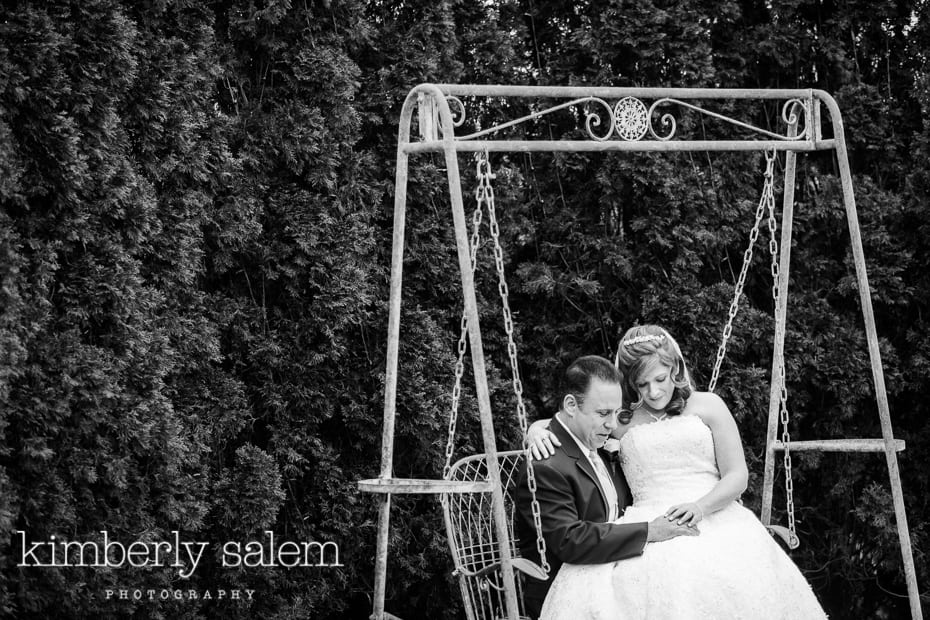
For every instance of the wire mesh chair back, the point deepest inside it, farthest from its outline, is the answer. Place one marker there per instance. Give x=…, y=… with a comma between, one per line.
x=472, y=536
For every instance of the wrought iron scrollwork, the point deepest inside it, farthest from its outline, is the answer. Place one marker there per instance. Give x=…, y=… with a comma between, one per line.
x=458, y=117
x=788, y=114
x=593, y=119
x=629, y=119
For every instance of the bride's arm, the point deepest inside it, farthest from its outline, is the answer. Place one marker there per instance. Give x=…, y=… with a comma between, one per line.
x=731, y=461
x=541, y=440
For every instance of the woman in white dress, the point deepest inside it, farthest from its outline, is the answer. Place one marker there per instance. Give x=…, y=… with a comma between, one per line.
x=682, y=456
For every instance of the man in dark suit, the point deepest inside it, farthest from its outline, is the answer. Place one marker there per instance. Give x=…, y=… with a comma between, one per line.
x=580, y=490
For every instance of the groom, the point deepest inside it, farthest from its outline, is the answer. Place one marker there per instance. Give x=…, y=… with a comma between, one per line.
x=578, y=489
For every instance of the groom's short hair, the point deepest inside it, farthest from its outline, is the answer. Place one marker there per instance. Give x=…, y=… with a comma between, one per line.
x=579, y=374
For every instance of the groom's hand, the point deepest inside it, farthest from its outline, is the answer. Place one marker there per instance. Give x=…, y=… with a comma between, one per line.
x=661, y=528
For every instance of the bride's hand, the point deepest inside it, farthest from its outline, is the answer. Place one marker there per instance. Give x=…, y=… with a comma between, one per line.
x=689, y=514
x=540, y=440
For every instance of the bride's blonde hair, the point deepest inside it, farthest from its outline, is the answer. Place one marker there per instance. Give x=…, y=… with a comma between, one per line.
x=639, y=348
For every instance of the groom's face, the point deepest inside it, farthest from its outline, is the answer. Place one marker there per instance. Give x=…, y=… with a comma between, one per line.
x=592, y=417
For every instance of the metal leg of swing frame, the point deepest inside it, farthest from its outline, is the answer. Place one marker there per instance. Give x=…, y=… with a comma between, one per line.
x=878, y=376
x=482, y=391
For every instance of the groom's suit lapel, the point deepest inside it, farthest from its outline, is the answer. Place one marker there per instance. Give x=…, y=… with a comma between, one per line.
x=620, y=483
x=571, y=449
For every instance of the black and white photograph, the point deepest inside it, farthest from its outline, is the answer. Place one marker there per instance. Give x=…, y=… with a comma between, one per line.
x=464, y=309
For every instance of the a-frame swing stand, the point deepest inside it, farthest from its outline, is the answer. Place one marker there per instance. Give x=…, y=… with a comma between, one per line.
x=618, y=119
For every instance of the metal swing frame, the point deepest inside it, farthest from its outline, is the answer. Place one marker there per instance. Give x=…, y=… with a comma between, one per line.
x=629, y=127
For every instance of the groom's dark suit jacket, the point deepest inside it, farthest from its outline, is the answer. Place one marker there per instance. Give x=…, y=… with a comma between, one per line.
x=573, y=514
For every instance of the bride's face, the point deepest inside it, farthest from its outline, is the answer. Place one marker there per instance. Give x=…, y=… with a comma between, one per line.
x=655, y=385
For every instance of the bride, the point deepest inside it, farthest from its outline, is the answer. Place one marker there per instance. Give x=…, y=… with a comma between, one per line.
x=681, y=453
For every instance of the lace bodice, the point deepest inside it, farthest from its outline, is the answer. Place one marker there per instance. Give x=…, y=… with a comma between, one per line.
x=670, y=461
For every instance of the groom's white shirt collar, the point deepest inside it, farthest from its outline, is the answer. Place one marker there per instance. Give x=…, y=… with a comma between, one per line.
x=584, y=449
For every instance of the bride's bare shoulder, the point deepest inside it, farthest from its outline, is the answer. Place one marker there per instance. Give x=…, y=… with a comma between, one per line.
x=706, y=405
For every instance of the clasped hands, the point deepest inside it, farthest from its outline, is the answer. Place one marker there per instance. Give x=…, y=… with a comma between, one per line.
x=679, y=520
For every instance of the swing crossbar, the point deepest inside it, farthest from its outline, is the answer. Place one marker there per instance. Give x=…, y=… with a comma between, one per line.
x=616, y=119
x=838, y=445
x=525, y=146
x=611, y=92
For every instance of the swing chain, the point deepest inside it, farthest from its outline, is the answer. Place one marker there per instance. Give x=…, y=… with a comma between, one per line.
x=485, y=194
x=793, y=540
x=463, y=342
x=766, y=203
x=767, y=194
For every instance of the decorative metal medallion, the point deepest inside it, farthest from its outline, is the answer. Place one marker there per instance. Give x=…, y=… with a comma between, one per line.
x=632, y=120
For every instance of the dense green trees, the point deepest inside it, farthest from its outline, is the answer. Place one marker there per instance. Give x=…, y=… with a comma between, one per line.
x=194, y=247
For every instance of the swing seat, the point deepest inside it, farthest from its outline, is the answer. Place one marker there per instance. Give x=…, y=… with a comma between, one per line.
x=413, y=486
x=792, y=542
x=840, y=445
x=473, y=539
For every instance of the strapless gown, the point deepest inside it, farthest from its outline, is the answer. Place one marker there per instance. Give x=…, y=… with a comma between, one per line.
x=734, y=569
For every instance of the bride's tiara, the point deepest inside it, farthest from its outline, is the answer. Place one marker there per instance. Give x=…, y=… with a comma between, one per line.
x=645, y=338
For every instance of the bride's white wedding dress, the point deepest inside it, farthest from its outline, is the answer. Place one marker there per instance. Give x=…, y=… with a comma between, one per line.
x=733, y=569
